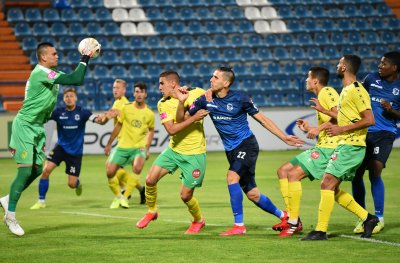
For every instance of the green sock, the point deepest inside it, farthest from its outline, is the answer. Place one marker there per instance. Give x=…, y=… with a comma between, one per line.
x=18, y=186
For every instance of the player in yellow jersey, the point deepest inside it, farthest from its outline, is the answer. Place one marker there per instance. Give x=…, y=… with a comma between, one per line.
x=135, y=131
x=186, y=151
x=353, y=119
x=312, y=162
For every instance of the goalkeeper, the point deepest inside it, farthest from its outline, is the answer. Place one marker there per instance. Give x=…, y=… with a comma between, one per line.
x=28, y=136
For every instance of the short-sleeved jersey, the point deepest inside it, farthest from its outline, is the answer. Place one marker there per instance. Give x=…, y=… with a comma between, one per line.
x=229, y=115
x=135, y=126
x=379, y=89
x=328, y=98
x=192, y=139
x=40, y=95
x=71, y=128
x=118, y=104
x=353, y=100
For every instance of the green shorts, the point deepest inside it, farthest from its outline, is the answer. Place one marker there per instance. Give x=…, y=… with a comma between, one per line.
x=345, y=160
x=28, y=142
x=313, y=161
x=193, y=166
x=125, y=156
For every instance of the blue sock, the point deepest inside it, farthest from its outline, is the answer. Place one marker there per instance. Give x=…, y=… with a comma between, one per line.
x=378, y=194
x=43, y=187
x=236, y=195
x=266, y=204
x=358, y=188
x=77, y=183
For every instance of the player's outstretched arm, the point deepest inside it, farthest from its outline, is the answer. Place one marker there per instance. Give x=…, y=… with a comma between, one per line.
x=173, y=128
x=330, y=112
x=274, y=129
x=367, y=119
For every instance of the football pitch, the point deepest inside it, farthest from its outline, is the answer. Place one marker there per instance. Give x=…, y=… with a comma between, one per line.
x=85, y=229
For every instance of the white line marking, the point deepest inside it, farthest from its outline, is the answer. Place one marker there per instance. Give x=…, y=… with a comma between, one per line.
x=372, y=240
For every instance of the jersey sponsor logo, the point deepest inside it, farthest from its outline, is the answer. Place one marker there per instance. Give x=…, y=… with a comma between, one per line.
x=396, y=91
x=52, y=74
x=163, y=115
x=77, y=117
x=70, y=127
x=315, y=155
x=229, y=106
x=136, y=123
x=196, y=173
x=222, y=118
x=376, y=86
x=211, y=105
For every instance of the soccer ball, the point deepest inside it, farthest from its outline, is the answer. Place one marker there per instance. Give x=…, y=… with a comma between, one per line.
x=90, y=43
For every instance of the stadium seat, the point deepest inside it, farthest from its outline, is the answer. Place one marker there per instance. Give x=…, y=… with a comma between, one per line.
x=388, y=37
x=187, y=41
x=186, y=13
x=220, y=13
x=263, y=53
x=137, y=15
x=129, y=3
x=278, y=26
x=103, y=14
x=76, y=29
x=331, y=52
x=367, y=10
x=204, y=41
x=273, y=69
x=314, y=53
x=111, y=29
x=384, y=10
x=213, y=54
x=22, y=29
x=268, y=12
x=51, y=14
x=154, y=42
x=310, y=25
x=169, y=13
x=100, y=72
x=355, y=38
x=161, y=56
x=188, y=70
x=304, y=39
x=40, y=29
x=72, y=57
x=195, y=27
x=262, y=27
x=252, y=13
x=228, y=27
x=328, y=25
x=246, y=54
x=177, y=27
x=136, y=71
x=136, y=42
x=290, y=68
x=112, y=3
x=249, y=84
x=281, y=53
x=254, y=40
x=338, y=38
x=244, y=2
x=229, y=54
x=380, y=50
x=393, y=23
x=321, y=39
x=128, y=29
x=68, y=15
x=128, y=57
x=178, y=56
x=153, y=14
x=145, y=56
x=288, y=40
x=377, y=23
x=29, y=43
x=110, y=57
x=15, y=15
x=33, y=15
x=85, y=14
x=361, y=24
x=94, y=28
x=196, y=55
x=118, y=71
x=344, y=25
x=153, y=71
x=59, y=29
x=297, y=53
x=205, y=70
x=170, y=42
x=103, y=40
x=212, y=27
x=119, y=43
x=77, y=3
x=372, y=37
x=237, y=41
x=95, y=3
x=240, y=69
x=245, y=26
x=120, y=15
x=256, y=69
x=221, y=41
x=237, y=13
x=318, y=11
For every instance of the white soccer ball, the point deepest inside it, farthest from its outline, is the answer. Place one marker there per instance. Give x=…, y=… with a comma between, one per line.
x=90, y=43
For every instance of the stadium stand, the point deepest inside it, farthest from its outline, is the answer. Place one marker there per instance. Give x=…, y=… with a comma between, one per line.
x=271, y=44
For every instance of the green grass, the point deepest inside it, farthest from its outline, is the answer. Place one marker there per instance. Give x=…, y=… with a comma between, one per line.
x=78, y=229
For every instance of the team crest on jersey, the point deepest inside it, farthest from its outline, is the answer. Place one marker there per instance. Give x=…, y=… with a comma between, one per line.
x=163, y=115
x=77, y=117
x=395, y=91
x=334, y=156
x=229, y=106
x=315, y=155
x=52, y=74
x=196, y=173
x=24, y=154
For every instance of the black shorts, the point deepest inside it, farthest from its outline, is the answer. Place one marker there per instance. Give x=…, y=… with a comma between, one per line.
x=72, y=163
x=379, y=146
x=242, y=160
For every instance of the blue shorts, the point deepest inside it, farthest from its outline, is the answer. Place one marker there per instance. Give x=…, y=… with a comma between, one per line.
x=72, y=163
x=242, y=160
x=379, y=146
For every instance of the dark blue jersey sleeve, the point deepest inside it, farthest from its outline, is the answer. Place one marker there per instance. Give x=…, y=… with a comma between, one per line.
x=367, y=81
x=248, y=105
x=199, y=103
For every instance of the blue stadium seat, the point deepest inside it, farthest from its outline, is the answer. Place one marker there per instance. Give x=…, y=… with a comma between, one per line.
x=237, y=41
x=221, y=41
x=111, y=29
x=220, y=13
x=272, y=40
x=77, y=3
x=85, y=14
x=389, y=37
x=29, y=43
x=153, y=70
x=314, y=53
x=153, y=42
x=170, y=42
x=205, y=70
x=212, y=27
x=118, y=71
x=161, y=27
x=321, y=39
x=213, y=54
x=161, y=56
x=145, y=56
x=310, y=25
x=281, y=53
x=290, y=68
x=15, y=15
x=169, y=13
x=288, y=40
x=22, y=29
x=237, y=13
x=128, y=57
x=110, y=57
x=377, y=23
x=264, y=53
x=68, y=15
x=204, y=41
x=393, y=23
x=187, y=41
x=368, y=10
x=256, y=69
x=384, y=10
x=32, y=58
x=94, y=28
x=294, y=25
x=177, y=27
x=136, y=42
x=331, y=52
x=254, y=40
x=73, y=57
x=361, y=24
x=204, y=12
x=95, y=3
x=100, y=72
x=51, y=14
x=136, y=71
x=103, y=14
x=196, y=55
x=380, y=50
x=318, y=11
x=284, y=11
x=229, y=54
x=33, y=15
x=355, y=38
x=194, y=27
x=103, y=40
x=240, y=69
x=371, y=37
x=77, y=29
x=228, y=27
x=59, y=29
x=189, y=70
x=328, y=25
x=335, y=82
x=344, y=25
x=338, y=38
x=249, y=84
x=40, y=29
x=304, y=39
x=350, y=10
x=119, y=43
x=153, y=13
x=246, y=54
x=245, y=26
x=178, y=56
x=297, y=53
x=346, y=49
x=273, y=68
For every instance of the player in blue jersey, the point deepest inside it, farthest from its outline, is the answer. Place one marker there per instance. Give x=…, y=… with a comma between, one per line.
x=228, y=110
x=384, y=90
x=71, y=122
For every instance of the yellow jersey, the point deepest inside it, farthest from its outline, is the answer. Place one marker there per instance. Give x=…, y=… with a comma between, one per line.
x=190, y=140
x=353, y=100
x=135, y=126
x=328, y=98
x=118, y=104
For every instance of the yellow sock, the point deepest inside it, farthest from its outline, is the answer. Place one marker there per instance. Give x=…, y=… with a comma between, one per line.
x=194, y=209
x=151, y=197
x=347, y=201
x=295, y=193
x=113, y=183
x=130, y=185
x=138, y=184
x=285, y=192
x=122, y=177
x=325, y=209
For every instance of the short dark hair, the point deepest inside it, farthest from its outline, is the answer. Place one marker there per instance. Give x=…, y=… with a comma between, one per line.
x=66, y=90
x=41, y=48
x=394, y=57
x=320, y=73
x=228, y=74
x=141, y=85
x=353, y=63
x=169, y=73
